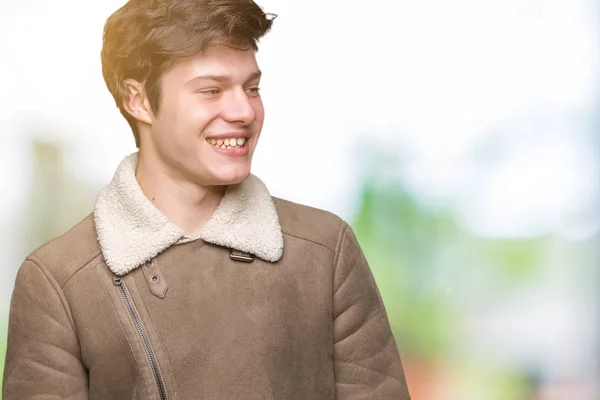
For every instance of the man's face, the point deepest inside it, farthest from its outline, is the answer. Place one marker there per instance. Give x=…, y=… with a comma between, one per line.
x=209, y=102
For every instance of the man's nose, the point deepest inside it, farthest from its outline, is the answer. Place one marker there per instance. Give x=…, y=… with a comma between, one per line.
x=238, y=108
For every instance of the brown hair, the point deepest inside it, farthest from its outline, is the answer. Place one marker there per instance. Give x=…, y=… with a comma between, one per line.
x=144, y=38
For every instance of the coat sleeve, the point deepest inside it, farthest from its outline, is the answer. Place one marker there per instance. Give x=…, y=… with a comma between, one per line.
x=43, y=354
x=366, y=360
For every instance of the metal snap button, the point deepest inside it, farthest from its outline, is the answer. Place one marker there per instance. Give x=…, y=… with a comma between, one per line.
x=241, y=256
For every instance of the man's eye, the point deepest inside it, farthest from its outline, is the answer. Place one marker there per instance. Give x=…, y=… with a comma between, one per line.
x=255, y=90
x=210, y=92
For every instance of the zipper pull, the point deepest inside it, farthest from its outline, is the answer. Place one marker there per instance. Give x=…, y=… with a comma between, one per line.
x=117, y=280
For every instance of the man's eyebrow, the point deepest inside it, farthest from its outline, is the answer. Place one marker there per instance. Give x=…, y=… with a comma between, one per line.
x=254, y=76
x=224, y=78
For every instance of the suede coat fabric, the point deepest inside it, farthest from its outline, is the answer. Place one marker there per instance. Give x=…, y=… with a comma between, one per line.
x=271, y=300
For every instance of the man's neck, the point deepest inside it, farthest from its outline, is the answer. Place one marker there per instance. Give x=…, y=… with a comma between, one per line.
x=186, y=204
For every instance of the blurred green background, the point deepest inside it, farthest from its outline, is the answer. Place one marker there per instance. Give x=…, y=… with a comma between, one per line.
x=460, y=140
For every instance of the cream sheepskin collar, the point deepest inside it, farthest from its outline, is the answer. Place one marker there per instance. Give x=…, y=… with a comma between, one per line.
x=131, y=230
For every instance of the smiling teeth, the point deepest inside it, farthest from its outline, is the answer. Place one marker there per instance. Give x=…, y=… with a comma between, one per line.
x=227, y=143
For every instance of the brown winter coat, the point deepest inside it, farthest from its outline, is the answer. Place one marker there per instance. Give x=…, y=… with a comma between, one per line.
x=272, y=300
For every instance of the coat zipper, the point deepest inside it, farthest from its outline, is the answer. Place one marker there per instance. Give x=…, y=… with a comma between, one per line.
x=143, y=337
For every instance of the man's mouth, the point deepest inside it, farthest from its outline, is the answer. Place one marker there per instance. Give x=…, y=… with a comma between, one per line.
x=231, y=143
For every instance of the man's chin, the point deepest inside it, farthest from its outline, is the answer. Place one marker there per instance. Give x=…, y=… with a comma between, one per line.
x=231, y=177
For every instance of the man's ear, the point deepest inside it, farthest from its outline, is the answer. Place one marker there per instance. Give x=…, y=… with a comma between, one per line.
x=136, y=103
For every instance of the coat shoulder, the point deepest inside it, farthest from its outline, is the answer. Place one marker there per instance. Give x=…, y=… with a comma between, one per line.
x=69, y=252
x=309, y=223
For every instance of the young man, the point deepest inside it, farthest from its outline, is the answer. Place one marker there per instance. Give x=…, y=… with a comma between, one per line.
x=189, y=281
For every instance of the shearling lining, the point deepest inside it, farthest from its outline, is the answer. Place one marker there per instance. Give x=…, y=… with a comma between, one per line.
x=132, y=231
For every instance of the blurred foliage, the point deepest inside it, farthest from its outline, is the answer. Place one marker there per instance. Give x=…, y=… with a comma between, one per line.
x=432, y=273
x=519, y=259
x=487, y=383
x=57, y=200
x=401, y=240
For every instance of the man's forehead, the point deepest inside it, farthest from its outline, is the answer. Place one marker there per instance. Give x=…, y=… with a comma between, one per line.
x=219, y=65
